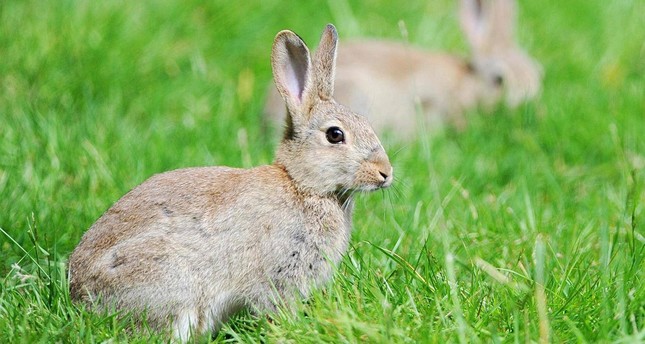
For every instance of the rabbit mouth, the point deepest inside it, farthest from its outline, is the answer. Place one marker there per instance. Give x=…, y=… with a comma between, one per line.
x=373, y=177
x=381, y=184
x=386, y=183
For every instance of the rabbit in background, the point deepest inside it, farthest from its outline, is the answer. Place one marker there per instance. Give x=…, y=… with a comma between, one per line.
x=191, y=247
x=401, y=88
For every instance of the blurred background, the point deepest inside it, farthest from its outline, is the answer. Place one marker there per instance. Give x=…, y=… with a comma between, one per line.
x=95, y=97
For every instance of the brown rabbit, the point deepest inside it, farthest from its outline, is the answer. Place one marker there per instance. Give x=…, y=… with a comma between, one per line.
x=192, y=246
x=399, y=87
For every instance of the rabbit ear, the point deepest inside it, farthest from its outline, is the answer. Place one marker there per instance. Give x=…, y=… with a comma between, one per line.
x=488, y=23
x=473, y=23
x=502, y=18
x=325, y=63
x=292, y=70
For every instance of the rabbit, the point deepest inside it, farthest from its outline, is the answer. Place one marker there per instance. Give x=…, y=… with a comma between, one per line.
x=401, y=88
x=193, y=246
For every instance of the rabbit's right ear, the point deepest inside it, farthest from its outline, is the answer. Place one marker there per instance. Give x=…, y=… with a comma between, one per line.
x=325, y=63
x=292, y=72
x=488, y=24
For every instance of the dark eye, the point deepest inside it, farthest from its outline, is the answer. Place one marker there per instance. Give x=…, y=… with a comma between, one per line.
x=335, y=135
x=498, y=80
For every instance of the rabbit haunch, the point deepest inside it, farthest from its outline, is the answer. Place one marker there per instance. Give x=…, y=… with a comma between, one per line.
x=192, y=246
x=400, y=87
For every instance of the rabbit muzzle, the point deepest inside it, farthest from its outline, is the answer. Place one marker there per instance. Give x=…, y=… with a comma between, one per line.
x=377, y=172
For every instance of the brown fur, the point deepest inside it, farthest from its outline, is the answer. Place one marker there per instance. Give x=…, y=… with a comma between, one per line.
x=404, y=88
x=192, y=246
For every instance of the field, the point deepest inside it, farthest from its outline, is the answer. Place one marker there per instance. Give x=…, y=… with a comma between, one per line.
x=525, y=226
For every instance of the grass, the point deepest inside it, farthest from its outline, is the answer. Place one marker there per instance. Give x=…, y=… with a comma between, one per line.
x=527, y=226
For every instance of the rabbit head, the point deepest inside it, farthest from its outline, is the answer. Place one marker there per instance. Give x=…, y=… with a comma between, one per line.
x=326, y=148
x=501, y=64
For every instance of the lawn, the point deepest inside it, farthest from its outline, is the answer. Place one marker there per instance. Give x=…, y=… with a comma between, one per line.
x=525, y=226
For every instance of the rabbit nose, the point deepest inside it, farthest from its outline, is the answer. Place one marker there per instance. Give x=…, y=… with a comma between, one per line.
x=382, y=164
x=387, y=177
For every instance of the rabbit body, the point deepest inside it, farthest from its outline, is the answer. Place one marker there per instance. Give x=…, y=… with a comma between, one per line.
x=401, y=86
x=201, y=243
x=192, y=246
x=406, y=89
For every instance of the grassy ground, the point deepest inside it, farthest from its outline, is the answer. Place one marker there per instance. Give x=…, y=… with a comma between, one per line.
x=527, y=226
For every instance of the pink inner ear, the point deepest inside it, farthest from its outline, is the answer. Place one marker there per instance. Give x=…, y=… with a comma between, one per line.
x=294, y=83
x=295, y=71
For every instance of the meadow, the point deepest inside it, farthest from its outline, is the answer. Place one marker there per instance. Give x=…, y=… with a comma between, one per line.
x=525, y=226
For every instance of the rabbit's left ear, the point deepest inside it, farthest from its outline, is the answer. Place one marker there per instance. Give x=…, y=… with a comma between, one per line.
x=325, y=63
x=501, y=20
x=488, y=23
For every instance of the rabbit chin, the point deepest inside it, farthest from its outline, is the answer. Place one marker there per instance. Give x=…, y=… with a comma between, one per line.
x=343, y=191
x=370, y=188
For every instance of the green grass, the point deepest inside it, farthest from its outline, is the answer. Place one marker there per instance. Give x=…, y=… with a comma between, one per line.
x=527, y=226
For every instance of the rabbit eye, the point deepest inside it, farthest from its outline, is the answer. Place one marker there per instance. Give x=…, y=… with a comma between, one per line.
x=335, y=135
x=498, y=80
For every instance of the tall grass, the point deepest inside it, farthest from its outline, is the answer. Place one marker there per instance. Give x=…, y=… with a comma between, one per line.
x=527, y=226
